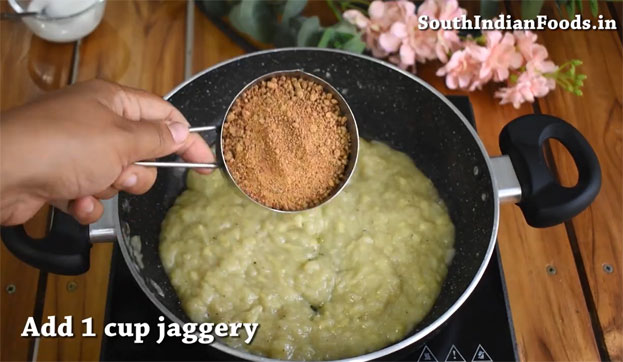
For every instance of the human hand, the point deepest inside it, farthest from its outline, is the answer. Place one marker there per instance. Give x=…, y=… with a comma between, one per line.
x=76, y=146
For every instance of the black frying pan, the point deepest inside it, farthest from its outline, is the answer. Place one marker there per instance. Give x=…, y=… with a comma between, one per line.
x=391, y=106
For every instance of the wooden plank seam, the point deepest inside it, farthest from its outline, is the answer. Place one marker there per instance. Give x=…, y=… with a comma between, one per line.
x=616, y=16
x=577, y=256
x=570, y=229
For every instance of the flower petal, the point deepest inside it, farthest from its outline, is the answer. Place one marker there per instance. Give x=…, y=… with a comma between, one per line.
x=508, y=39
x=493, y=37
x=526, y=93
x=355, y=17
x=451, y=81
x=477, y=52
x=408, y=7
x=464, y=80
x=389, y=42
x=428, y=7
x=516, y=60
x=485, y=73
x=376, y=9
x=440, y=51
x=399, y=29
x=501, y=74
x=407, y=54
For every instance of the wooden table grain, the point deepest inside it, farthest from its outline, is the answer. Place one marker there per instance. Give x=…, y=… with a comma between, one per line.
x=29, y=67
x=574, y=314
x=596, y=234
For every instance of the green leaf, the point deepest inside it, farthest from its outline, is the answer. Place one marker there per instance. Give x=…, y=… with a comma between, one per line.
x=341, y=38
x=287, y=33
x=216, y=8
x=309, y=34
x=570, y=8
x=594, y=7
x=338, y=35
x=579, y=6
x=292, y=9
x=489, y=8
x=285, y=36
x=327, y=36
x=355, y=45
x=334, y=9
x=559, y=5
x=531, y=8
x=345, y=27
x=255, y=18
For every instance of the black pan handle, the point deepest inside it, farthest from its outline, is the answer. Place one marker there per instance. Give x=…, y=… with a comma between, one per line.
x=65, y=250
x=544, y=202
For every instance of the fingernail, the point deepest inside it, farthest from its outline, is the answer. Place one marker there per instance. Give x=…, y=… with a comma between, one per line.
x=89, y=206
x=179, y=131
x=130, y=181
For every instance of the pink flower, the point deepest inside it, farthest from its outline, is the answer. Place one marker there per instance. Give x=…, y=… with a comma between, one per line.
x=376, y=10
x=407, y=55
x=390, y=41
x=463, y=68
x=419, y=45
x=502, y=57
x=382, y=32
x=392, y=30
x=530, y=85
x=534, y=54
x=525, y=40
x=443, y=42
x=539, y=60
x=428, y=8
x=424, y=45
x=356, y=18
x=449, y=9
x=385, y=14
x=448, y=40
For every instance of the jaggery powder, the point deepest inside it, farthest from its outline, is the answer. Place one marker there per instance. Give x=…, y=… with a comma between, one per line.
x=285, y=143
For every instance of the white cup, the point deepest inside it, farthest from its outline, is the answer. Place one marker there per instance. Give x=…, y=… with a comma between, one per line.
x=62, y=20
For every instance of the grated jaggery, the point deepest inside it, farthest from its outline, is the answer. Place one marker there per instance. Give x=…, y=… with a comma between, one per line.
x=286, y=143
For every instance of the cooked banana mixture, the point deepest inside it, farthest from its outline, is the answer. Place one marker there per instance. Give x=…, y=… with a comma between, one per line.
x=340, y=280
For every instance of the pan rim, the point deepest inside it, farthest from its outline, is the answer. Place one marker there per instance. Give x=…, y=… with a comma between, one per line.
x=390, y=348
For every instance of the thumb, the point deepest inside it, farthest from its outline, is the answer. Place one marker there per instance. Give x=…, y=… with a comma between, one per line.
x=156, y=139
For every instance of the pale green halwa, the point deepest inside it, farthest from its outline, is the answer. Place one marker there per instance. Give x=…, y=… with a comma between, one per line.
x=337, y=281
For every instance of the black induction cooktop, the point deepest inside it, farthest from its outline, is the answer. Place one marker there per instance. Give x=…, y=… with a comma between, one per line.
x=479, y=331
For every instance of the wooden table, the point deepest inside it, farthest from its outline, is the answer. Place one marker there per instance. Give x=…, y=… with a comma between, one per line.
x=575, y=313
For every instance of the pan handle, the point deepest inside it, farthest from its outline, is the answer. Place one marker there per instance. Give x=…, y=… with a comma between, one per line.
x=65, y=250
x=544, y=202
